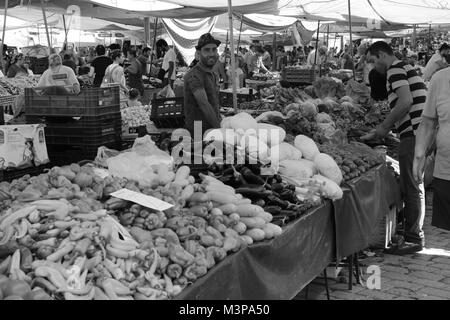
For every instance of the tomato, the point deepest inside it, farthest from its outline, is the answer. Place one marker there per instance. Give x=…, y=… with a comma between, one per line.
x=16, y=288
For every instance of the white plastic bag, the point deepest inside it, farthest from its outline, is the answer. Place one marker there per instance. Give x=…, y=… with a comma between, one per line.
x=167, y=92
x=140, y=163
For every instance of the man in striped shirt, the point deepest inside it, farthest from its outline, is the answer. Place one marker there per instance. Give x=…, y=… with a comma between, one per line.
x=406, y=95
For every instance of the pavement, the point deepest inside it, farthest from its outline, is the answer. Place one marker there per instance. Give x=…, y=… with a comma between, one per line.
x=421, y=276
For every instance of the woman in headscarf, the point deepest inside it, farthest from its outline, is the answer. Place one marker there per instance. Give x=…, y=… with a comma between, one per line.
x=16, y=68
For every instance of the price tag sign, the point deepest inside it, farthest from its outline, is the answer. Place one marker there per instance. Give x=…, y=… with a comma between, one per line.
x=142, y=199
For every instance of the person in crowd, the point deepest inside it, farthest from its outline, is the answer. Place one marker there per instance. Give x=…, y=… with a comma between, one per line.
x=134, y=71
x=301, y=54
x=266, y=59
x=169, y=62
x=83, y=77
x=16, y=68
x=144, y=59
x=436, y=62
x=90, y=56
x=99, y=65
x=114, y=73
x=347, y=62
x=318, y=59
x=256, y=64
x=377, y=81
x=365, y=67
x=405, y=53
x=248, y=58
x=114, y=46
x=26, y=67
x=407, y=96
x=436, y=125
x=58, y=75
x=68, y=62
x=280, y=58
x=133, y=98
x=239, y=75
x=195, y=61
x=6, y=61
x=201, y=94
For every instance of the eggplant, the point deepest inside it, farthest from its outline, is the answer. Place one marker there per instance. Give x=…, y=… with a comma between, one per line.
x=273, y=210
x=251, y=177
x=274, y=200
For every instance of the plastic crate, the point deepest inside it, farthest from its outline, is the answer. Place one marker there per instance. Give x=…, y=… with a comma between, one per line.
x=167, y=112
x=38, y=65
x=306, y=76
x=90, y=102
x=226, y=98
x=64, y=154
x=384, y=229
x=10, y=175
x=8, y=103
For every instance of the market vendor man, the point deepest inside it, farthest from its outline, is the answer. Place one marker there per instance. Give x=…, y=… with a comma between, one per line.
x=407, y=95
x=201, y=87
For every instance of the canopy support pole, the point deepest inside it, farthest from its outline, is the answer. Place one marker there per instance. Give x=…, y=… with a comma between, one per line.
x=233, y=60
x=154, y=45
x=274, y=52
x=46, y=26
x=413, y=44
x=317, y=43
x=328, y=34
x=240, y=31
x=3, y=38
x=147, y=30
x=65, y=32
x=430, y=45
x=351, y=39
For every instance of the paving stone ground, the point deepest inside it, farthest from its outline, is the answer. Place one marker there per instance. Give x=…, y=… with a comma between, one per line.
x=421, y=276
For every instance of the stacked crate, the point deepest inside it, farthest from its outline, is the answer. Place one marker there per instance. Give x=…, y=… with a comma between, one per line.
x=167, y=112
x=38, y=65
x=77, y=125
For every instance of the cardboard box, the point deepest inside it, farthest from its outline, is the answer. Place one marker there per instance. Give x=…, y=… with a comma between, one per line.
x=22, y=146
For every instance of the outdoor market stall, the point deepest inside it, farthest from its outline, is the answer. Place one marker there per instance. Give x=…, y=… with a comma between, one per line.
x=282, y=267
x=164, y=228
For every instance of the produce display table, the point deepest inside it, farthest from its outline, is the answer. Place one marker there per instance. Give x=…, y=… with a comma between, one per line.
x=280, y=268
x=365, y=200
x=275, y=269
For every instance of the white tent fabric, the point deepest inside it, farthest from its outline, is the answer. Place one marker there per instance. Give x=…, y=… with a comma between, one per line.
x=185, y=33
x=266, y=22
x=391, y=11
x=240, y=6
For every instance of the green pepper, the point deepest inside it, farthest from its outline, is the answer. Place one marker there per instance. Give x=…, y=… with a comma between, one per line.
x=26, y=259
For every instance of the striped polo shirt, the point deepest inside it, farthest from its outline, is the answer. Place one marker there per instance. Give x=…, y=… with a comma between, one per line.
x=398, y=75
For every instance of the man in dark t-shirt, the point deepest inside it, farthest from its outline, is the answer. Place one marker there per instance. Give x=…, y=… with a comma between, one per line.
x=68, y=62
x=201, y=87
x=99, y=65
x=377, y=81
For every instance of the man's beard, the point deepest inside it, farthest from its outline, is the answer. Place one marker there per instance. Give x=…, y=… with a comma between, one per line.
x=208, y=61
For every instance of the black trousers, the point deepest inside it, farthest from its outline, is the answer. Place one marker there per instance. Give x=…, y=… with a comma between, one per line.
x=441, y=204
